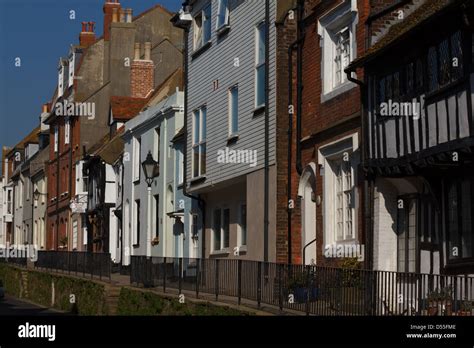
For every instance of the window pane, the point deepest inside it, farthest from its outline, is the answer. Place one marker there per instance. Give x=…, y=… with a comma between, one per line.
x=198, y=31
x=260, y=89
x=203, y=159
x=204, y=123
x=216, y=228
x=226, y=227
x=456, y=49
x=432, y=69
x=444, y=63
x=222, y=14
x=196, y=127
x=234, y=110
x=261, y=44
x=207, y=24
x=196, y=161
x=401, y=229
x=243, y=224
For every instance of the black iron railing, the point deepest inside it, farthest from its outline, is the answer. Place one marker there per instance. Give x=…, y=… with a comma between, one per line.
x=311, y=289
x=80, y=263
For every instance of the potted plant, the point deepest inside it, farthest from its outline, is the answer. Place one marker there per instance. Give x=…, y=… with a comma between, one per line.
x=300, y=289
x=63, y=242
x=440, y=301
x=466, y=308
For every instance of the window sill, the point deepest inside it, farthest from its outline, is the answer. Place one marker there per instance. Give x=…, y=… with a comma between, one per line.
x=197, y=179
x=220, y=252
x=259, y=110
x=345, y=87
x=197, y=52
x=242, y=249
x=231, y=139
x=223, y=30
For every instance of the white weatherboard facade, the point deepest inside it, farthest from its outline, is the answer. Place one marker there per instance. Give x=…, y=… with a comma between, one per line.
x=152, y=131
x=226, y=114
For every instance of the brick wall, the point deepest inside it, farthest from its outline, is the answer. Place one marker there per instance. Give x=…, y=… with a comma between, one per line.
x=325, y=122
x=286, y=35
x=142, y=78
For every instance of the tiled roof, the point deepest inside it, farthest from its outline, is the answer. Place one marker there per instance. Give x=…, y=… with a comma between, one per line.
x=426, y=11
x=126, y=108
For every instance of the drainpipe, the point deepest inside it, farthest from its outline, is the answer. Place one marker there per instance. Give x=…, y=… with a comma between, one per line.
x=201, y=202
x=267, y=131
x=299, y=76
x=291, y=109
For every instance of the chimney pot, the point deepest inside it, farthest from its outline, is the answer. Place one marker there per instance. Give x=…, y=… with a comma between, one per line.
x=45, y=108
x=122, y=15
x=84, y=27
x=147, y=50
x=137, y=51
x=114, y=15
x=91, y=26
x=128, y=12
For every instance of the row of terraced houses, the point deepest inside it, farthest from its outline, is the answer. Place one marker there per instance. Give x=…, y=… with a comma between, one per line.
x=284, y=131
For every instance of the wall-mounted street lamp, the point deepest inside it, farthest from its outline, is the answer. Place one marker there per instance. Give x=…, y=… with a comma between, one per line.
x=36, y=196
x=151, y=169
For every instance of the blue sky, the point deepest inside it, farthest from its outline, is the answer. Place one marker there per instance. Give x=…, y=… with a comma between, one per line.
x=39, y=32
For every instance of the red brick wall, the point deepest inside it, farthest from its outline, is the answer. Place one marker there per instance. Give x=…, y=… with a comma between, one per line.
x=317, y=116
x=142, y=78
x=286, y=35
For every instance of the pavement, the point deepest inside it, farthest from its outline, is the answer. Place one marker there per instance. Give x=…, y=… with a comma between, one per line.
x=11, y=306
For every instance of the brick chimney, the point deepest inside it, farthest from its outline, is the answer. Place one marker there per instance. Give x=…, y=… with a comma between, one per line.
x=142, y=71
x=87, y=35
x=109, y=7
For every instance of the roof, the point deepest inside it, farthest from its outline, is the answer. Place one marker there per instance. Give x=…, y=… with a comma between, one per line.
x=126, y=108
x=109, y=149
x=31, y=138
x=179, y=136
x=398, y=31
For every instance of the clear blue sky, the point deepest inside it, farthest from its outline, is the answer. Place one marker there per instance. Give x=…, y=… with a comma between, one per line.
x=39, y=32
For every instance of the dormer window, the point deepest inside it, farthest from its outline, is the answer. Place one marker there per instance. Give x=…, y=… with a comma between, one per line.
x=71, y=69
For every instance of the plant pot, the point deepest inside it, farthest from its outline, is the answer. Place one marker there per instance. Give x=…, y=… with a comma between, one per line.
x=301, y=294
x=441, y=307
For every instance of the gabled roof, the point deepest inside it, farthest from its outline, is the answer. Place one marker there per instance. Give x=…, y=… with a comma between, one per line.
x=397, y=32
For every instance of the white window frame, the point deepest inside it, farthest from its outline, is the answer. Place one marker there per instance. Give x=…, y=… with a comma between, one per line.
x=136, y=144
x=232, y=116
x=67, y=131
x=225, y=23
x=259, y=64
x=194, y=242
x=199, y=30
x=221, y=247
x=327, y=154
x=180, y=164
x=56, y=138
x=199, y=143
x=342, y=17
